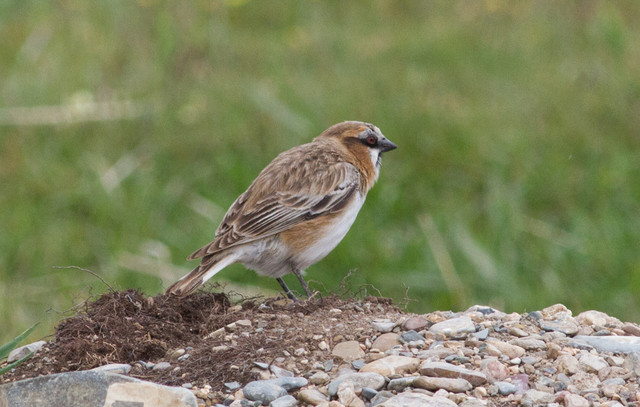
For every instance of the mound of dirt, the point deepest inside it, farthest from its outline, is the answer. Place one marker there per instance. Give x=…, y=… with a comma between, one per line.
x=129, y=327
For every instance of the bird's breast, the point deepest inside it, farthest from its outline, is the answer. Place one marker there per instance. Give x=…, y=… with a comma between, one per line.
x=311, y=241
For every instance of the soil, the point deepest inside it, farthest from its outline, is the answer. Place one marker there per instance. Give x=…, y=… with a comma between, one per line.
x=129, y=327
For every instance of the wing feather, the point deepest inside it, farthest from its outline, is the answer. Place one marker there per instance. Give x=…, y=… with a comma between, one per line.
x=287, y=192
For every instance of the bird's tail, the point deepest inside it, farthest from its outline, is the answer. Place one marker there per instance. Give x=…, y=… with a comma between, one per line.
x=199, y=275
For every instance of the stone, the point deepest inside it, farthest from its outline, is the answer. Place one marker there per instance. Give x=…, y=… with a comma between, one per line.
x=536, y=398
x=412, y=338
x=415, y=399
x=23, y=351
x=312, y=396
x=521, y=381
x=494, y=370
x=506, y=388
x=592, y=363
x=556, y=312
x=280, y=372
x=347, y=395
x=391, y=365
x=613, y=344
x=290, y=383
x=454, y=327
x=482, y=334
x=162, y=366
x=368, y=393
x=507, y=349
x=119, y=368
x=448, y=384
x=359, y=380
x=93, y=389
x=631, y=328
x=401, y=383
x=529, y=343
x=383, y=325
x=348, y=351
x=575, y=400
x=319, y=378
x=415, y=323
x=443, y=369
x=263, y=391
x=385, y=341
x=381, y=397
x=567, y=327
x=358, y=364
x=592, y=317
x=632, y=363
x=284, y=401
x=567, y=364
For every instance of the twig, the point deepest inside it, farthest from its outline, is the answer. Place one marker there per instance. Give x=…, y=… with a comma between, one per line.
x=93, y=273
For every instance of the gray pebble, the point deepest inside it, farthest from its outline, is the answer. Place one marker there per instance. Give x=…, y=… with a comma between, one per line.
x=285, y=401
x=264, y=391
x=290, y=383
x=482, y=334
x=411, y=337
x=401, y=383
x=162, y=366
x=261, y=365
x=358, y=364
x=458, y=359
x=368, y=393
x=506, y=388
x=381, y=397
x=232, y=386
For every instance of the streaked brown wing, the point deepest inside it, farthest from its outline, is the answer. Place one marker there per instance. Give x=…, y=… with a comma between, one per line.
x=278, y=200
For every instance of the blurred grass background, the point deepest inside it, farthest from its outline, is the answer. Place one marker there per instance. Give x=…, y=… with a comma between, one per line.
x=128, y=128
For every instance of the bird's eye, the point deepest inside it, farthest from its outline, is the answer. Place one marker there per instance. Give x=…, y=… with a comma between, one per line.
x=371, y=140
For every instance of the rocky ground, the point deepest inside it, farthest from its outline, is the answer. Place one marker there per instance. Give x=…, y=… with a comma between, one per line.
x=348, y=352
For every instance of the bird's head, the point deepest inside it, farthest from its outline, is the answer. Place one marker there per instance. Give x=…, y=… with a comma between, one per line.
x=364, y=141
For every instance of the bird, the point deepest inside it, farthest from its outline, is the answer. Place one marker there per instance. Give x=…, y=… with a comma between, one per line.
x=297, y=209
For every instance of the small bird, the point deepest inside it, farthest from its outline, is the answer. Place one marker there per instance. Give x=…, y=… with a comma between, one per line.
x=298, y=208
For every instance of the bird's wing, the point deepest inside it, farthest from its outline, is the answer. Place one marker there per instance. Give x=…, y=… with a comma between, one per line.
x=277, y=201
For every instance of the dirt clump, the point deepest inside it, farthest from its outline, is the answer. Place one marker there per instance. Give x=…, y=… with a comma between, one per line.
x=206, y=339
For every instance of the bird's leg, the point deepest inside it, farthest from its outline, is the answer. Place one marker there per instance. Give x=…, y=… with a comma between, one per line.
x=286, y=289
x=304, y=284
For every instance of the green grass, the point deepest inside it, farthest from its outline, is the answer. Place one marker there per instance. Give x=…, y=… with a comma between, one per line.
x=515, y=182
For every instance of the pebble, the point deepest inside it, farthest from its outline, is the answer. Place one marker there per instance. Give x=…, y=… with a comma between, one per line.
x=347, y=395
x=368, y=393
x=415, y=399
x=506, y=388
x=415, y=323
x=312, y=396
x=319, y=378
x=443, y=369
x=359, y=380
x=386, y=341
x=348, y=351
x=454, y=327
x=482, y=334
x=401, y=383
x=383, y=325
x=23, y=351
x=119, y=368
x=613, y=344
x=529, y=343
x=508, y=349
x=162, y=366
x=391, y=365
x=448, y=384
x=412, y=338
x=263, y=391
x=284, y=401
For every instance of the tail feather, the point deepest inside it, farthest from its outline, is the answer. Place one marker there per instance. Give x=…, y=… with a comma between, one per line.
x=199, y=275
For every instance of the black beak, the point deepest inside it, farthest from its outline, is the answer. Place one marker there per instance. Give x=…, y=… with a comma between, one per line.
x=386, y=145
